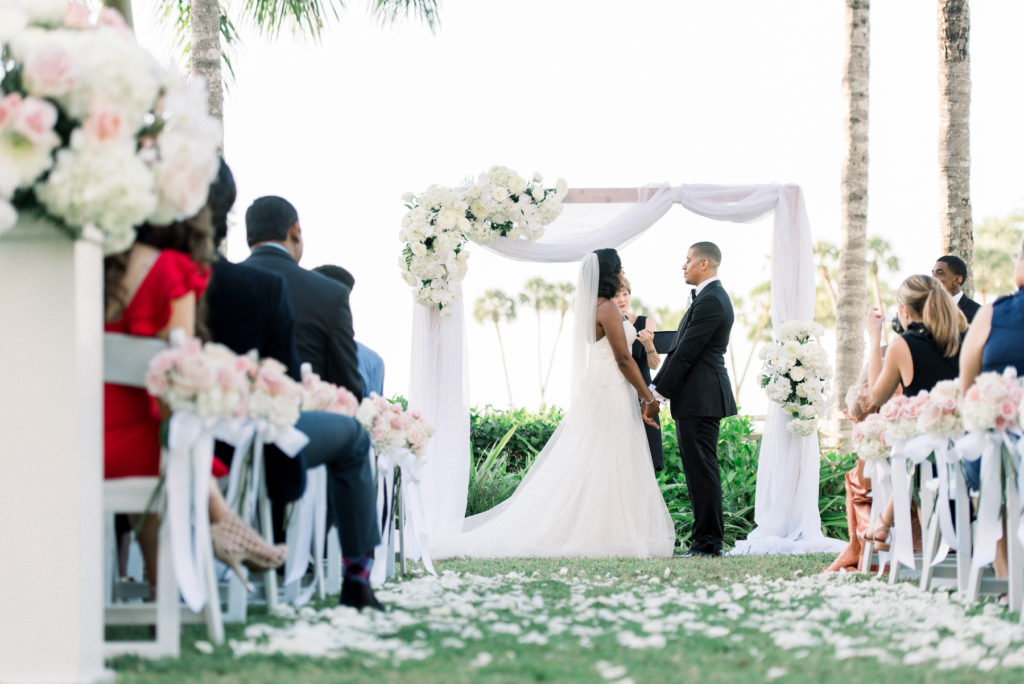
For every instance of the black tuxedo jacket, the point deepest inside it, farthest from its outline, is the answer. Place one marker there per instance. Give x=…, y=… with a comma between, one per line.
x=249, y=308
x=693, y=375
x=323, y=320
x=969, y=307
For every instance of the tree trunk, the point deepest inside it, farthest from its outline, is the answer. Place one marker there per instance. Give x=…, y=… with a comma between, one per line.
x=205, y=52
x=551, y=359
x=829, y=287
x=852, y=297
x=122, y=6
x=956, y=224
x=540, y=361
x=504, y=366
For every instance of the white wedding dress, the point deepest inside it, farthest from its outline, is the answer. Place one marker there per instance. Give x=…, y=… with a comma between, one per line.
x=591, y=491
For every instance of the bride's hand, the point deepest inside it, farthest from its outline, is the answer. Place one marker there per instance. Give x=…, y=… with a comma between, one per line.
x=650, y=414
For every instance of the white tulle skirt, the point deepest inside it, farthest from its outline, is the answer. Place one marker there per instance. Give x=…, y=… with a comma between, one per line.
x=591, y=492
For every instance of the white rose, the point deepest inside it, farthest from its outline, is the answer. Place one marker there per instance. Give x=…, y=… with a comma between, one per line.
x=12, y=22
x=797, y=373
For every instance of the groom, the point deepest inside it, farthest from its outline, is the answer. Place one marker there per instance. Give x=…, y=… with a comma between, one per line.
x=694, y=380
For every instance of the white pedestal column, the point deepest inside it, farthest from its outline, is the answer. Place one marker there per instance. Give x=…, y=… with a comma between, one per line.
x=51, y=457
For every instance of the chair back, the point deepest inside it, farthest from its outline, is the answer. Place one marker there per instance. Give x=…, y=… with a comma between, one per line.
x=126, y=358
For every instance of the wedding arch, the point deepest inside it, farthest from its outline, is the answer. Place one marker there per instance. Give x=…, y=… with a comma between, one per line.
x=786, y=504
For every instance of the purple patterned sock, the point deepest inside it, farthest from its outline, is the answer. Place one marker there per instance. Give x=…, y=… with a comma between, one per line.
x=358, y=569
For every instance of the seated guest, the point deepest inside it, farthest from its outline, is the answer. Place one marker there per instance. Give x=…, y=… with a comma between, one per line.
x=336, y=441
x=149, y=290
x=371, y=365
x=994, y=344
x=926, y=353
x=323, y=319
x=951, y=271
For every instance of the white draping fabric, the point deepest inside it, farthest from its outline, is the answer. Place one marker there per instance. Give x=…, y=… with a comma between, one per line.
x=438, y=377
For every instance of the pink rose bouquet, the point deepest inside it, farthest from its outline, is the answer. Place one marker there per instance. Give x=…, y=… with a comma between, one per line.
x=391, y=427
x=939, y=415
x=208, y=380
x=992, y=403
x=869, y=438
x=319, y=395
x=275, y=397
x=93, y=130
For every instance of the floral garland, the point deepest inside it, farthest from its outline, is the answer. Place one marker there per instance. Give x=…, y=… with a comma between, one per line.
x=93, y=131
x=796, y=375
x=440, y=221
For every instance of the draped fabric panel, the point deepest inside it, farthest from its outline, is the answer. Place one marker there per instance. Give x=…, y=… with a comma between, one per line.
x=786, y=508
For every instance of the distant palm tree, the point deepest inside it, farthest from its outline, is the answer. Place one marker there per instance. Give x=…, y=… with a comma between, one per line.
x=538, y=295
x=205, y=27
x=997, y=239
x=561, y=301
x=827, y=257
x=496, y=306
x=756, y=314
x=956, y=224
x=851, y=301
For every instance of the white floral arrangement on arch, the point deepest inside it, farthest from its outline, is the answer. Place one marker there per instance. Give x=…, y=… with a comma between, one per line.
x=796, y=375
x=93, y=131
x=392, y=427
x=440, y=220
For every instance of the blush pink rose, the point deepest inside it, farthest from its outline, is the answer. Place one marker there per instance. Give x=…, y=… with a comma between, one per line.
x=77, y=15
x=49, y=71
x=105, y=123
x=10, y=105
x=111, y=18
x=35, y=121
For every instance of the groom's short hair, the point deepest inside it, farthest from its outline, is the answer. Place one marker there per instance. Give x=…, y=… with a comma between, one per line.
x=709, y=251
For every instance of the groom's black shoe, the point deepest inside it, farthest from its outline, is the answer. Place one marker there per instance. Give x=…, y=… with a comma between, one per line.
x=358, y=595
x=693, y=553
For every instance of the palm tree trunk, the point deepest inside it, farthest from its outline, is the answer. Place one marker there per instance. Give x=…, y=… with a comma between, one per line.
x=852, y=297
x=122, y=6
x=956, y=224
x=205, y=52
x=540, y=362
x=551, y=359
x=504, y=366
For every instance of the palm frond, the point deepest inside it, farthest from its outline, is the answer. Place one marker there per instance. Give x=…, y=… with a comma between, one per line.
x=390, y=11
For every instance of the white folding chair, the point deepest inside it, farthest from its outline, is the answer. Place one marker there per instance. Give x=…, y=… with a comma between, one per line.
x=126, y=358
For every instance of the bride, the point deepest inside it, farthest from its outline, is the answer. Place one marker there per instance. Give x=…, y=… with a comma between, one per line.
x=592, y=490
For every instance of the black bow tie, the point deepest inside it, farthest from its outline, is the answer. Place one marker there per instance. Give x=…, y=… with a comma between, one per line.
x=693, y=294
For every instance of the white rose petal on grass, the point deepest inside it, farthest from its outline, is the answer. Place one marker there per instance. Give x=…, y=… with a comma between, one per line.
x=204, y=647
x=483, y=659
x=609, y=671
x=774, y=673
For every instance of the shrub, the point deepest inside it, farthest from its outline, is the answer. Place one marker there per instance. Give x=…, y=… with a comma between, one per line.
x=533, y=430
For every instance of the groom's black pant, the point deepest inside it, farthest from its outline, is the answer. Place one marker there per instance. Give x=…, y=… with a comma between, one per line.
x=698, y=448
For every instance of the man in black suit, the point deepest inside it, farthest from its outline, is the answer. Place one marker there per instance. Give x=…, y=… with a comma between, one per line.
x=694, y=381
x=323, y=320
x=250, y=308
x=951, y=271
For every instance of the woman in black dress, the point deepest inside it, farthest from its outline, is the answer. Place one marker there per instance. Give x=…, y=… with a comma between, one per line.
x=647, y=358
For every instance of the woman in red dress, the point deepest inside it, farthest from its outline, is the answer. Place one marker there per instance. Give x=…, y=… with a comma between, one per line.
x=150, y=289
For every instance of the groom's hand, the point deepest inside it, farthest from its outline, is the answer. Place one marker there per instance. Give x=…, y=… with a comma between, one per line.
x=651, y=414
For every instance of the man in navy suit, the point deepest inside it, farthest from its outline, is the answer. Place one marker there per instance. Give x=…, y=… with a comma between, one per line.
x=694, y=381
x=951, y=271
x=323, y=319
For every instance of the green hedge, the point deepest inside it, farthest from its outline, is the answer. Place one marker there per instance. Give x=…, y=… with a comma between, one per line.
x=505, y=443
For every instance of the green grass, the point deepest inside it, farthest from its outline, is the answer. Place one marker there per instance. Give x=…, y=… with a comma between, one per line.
x=605, y=601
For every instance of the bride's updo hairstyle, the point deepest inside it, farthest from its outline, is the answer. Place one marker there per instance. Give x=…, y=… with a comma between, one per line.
x=928, y=298
x=608, y=280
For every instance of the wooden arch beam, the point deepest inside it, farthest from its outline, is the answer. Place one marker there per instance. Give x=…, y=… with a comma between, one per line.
x=602, y=195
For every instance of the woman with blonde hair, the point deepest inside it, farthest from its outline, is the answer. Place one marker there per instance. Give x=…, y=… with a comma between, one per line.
x=926, y=353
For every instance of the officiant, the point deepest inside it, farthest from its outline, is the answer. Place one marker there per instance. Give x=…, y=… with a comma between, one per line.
x=647, y=359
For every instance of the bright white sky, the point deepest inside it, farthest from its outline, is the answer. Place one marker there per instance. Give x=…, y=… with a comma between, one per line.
x=601, y=93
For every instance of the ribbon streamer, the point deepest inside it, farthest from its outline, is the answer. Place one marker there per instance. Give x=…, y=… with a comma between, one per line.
x=190, y=457
x=988, y=447
x=307, y=531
